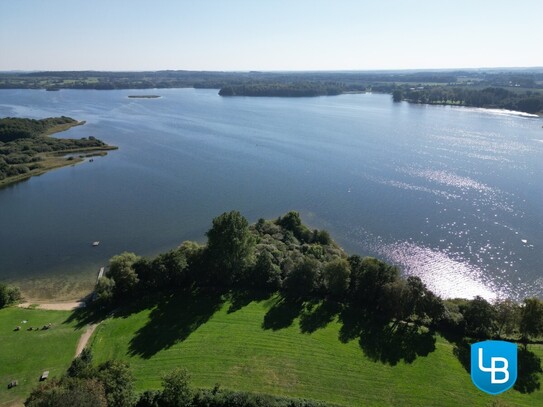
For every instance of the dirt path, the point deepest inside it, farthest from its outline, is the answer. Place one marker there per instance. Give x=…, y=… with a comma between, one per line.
x=85, y=339
x=66, y=306
x=55, y=306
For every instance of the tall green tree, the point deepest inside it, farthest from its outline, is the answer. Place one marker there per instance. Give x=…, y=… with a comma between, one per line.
x=303, y=280
x=531, y=319
x=265, y=274
x=479, y=318
x=507, y=316
x=336, y=277
x=426, y=305
x=82, y=365
x=177, y=391
x=368, y=278
x=396, y=301
x=230, y=247
x=122, y=272
x=118, y=382
x=104, y=292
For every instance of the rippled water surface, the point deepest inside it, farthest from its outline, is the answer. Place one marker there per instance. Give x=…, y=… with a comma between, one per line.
x=454, y=195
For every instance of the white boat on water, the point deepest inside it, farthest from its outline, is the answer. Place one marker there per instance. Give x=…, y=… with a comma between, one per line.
x=95, y=243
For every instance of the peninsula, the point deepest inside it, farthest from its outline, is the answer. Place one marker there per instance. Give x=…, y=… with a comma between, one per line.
x=27, y=150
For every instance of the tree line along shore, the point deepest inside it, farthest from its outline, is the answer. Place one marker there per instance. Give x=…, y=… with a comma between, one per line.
x=307, y=273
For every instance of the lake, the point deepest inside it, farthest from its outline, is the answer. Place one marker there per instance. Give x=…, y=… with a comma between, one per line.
x=453, y=195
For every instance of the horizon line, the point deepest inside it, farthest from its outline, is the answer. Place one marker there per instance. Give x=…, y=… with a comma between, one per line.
x=278, y=70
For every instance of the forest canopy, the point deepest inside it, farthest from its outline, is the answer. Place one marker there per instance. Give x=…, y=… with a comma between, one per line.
x=13, y=128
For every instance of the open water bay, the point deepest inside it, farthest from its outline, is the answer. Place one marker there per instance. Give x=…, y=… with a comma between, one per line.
x=454, y=195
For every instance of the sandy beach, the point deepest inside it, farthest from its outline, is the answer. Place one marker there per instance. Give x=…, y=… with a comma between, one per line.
x=54, y=306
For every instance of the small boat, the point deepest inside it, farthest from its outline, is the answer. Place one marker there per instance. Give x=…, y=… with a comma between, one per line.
x=95, y=243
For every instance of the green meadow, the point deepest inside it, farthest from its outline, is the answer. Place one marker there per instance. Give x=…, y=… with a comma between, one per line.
x=262, y=346
x=267, y=347
x=25, y=355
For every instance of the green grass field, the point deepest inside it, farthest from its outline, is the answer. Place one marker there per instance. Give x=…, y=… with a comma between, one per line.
x=25, y=355
x=248, y=349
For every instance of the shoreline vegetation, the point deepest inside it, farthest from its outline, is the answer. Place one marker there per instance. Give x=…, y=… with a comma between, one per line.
x=279, y=291
x=27, y=150
x=516, y=89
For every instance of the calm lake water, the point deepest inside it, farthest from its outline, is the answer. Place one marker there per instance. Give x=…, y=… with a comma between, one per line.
x=454, y=195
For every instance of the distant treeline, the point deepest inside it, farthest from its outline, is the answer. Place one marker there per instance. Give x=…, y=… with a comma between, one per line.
x=202, y=79
x=528, y=78
x=298, y=89
x=438, y=87
x=492, y=97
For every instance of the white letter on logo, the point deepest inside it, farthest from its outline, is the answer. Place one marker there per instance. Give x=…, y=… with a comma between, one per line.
x=503, y=370
x=493, y=369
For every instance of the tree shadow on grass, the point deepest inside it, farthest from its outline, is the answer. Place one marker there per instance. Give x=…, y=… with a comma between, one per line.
x=529, y=368
x=282, y=314
x=91, y=314
x=462, y=351
x=317, y=316
x=385, y=342
x=86, y=315
x=242, y=298
x=173, y=319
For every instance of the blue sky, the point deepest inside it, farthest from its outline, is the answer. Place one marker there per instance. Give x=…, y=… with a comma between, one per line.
x=269, y=35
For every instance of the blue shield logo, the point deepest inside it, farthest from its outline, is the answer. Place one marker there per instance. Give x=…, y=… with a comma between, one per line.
x=494, y=366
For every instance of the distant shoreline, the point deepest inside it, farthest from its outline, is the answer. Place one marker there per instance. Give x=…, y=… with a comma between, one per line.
x=494, y=110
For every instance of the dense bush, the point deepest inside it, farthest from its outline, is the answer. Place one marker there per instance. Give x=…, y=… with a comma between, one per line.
x=9, y=295
x=110, y=384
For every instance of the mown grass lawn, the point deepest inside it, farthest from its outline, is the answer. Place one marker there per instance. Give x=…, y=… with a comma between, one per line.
x=244, y=350
x=25, y=355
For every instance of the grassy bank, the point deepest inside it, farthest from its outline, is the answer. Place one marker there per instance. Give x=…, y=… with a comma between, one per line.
x=262, y=348
x=62, y=127
x=25, y=355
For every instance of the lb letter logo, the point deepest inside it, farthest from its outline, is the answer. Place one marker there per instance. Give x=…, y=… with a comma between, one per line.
x=494, y=366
